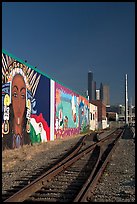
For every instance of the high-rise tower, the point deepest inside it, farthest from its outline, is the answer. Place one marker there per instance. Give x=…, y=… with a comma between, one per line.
x=97, y=94
x=90, y=82
x=101, y=91
x=104, y=94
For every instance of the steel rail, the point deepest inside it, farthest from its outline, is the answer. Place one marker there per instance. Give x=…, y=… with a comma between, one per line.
x=35, y=185
x=81, y=143
x=43, y=180
x=81, y=192
x=87, y=191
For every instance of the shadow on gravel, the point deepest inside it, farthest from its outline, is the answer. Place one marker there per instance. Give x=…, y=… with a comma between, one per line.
x=127, y=134
x=130, y=183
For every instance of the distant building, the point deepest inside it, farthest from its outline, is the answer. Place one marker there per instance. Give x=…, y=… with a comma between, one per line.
x=93, y=117
x=112, y=116
x=90, y=79
x=121, y=110
x=93, y=96
x=97, y=94
x=102, y=119
x=91, y=87
x=117, y=109
x=104, y=94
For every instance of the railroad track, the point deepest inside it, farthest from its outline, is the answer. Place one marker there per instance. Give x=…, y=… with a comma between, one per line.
x=23, y=181
x=71, y=178
x=86, y=192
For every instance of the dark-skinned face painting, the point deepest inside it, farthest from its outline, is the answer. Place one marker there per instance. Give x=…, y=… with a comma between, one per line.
x=18, y=101
x=23, y=119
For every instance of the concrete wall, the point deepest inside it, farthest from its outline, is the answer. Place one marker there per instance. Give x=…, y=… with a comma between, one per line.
x=101, y=109
x=35, y=108
x=102, y=119
x=104, y=124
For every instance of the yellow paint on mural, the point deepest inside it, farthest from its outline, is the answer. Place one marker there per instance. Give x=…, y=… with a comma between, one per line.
x=6, y=100
x=29, y=104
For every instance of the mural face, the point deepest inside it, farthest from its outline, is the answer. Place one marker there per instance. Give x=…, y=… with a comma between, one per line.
x=66, y=112
x=25, y=120
x=18, y=98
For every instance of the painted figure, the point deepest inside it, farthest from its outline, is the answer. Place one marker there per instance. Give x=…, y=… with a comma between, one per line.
x=16, y=126
x=18, y=93
x=21, y=122
x=66, y=112
x=65, y=122
x=73, y=109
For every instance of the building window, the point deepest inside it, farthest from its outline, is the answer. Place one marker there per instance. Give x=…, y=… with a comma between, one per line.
x=91, y=116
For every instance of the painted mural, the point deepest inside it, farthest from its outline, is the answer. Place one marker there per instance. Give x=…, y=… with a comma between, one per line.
x=83, y=114
x=25, y=108
x=66, y=112
x=37, y=109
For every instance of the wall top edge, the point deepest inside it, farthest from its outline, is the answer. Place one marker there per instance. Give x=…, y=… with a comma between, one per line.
x=39, y=71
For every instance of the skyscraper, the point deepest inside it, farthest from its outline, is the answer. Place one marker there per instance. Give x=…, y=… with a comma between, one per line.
x=97, y=94
x=90, y=82
x=93, y=90
x=91, y=87
x=104, y=94
x=101, y=91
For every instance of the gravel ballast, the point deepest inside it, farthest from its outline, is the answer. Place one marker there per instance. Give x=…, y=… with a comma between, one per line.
x=117, y=183
x=24, y=161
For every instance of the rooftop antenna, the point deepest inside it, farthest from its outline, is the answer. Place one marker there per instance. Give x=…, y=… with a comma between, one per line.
x=92, y=67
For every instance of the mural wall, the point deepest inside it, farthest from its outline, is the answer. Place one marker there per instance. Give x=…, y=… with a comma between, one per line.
x=71, y=112
x=83, y=114
x=37, y=109
x=25, y=108
x=66, y=112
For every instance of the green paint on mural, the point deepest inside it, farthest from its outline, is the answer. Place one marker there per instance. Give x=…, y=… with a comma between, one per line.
x=33, y=137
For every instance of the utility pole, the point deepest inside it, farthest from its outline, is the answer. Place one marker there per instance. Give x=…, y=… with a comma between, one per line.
x=126, y=101
x=131, y=111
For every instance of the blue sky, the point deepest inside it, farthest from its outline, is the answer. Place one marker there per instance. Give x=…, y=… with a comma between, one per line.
x=66, y=40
